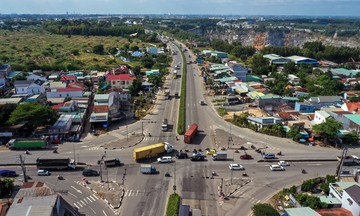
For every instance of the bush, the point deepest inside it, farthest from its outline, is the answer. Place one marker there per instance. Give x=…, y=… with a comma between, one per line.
x=308, y=185
x=221, y=111
x=182, y=112
x=173, y=205
x=264, y=209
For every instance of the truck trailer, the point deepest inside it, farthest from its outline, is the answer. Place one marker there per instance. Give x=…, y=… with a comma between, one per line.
x=150, y=151
x=27, y=143
x=55, y=163
x=190, y=133
x=148, y=169
x=220, y=156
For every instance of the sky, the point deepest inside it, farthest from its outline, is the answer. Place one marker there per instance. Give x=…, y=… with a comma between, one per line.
x=218, y=7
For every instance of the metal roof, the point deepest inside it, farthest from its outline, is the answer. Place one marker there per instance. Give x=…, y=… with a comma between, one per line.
x=353, y=117
x=354, y=193
x=302, y=211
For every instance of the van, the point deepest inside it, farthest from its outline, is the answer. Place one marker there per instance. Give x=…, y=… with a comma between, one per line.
x=277, y=168
x=269, y=156
x=7, y=173
x=90, y=172
x=165, y=159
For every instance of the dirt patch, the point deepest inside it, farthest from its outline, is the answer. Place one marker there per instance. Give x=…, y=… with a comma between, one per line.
x=125, y=142
x=253, y=112
x=108, y=191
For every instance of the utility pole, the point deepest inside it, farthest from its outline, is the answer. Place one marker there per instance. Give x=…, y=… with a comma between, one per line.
x=230, y=137
x=74, y=151
x=23, y=168
x=100, y=163
x=174, y=186
x=338, y=169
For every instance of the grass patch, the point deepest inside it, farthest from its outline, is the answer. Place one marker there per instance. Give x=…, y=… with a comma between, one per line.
x=182, y=113
x=173, y=205
x=221, y=111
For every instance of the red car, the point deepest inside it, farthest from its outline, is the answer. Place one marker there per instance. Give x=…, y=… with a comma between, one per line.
x=246, y=157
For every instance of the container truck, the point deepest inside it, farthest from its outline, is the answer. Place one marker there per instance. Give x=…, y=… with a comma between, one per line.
x=55, y=163
x=153, y=150
x=148, y=169
x=190, y=133
x=220, y=156
x=27, y=143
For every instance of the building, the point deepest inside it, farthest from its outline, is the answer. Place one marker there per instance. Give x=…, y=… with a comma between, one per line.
x=303, y=60
x=351, y=199
x=65, y=93
x=121, y=81
x=276, y=59
x=238, y=71
x=322, y=101
x=29, y=87
x=152, y=50
x=303, y=107
x=352, y=122
x=57, y=85
x=262, y=121
x=107, y=108
x=4, y=70
x=301, y=211
x=218, y=54
x=293, y=79
x=343, y=72
x=320, y=117
x=36, y=77
x=68, y=79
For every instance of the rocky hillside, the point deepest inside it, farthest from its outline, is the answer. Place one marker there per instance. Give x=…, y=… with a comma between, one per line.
x=282, y=38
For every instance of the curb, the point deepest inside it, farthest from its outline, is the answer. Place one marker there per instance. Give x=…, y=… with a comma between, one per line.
x=242, y=185
x=297, y=160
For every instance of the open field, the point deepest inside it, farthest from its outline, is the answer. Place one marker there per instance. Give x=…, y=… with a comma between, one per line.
x=33, y=48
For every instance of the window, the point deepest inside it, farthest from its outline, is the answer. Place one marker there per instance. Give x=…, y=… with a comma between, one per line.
x=123, y=83
x=350, y=201
x=114, y=82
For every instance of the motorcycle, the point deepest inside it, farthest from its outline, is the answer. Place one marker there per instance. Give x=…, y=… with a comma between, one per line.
x=55, y=151
x=244, y=174
x=27, y=152
x=279, y=153
x=213, y=173
x=60, y=177
x=303, y=171
x=167, y=174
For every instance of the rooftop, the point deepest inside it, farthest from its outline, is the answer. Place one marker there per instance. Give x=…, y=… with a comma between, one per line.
x=120, y=77
x=302, y=211
x=334, y=212
x=354, y=193
x=353, y=117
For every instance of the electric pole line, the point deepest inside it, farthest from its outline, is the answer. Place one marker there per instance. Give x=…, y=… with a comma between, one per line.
x=23, y=167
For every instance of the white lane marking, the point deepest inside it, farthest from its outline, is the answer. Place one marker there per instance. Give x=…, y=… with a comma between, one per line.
x=72, y=194
x=77, y=190
x=76, y=206
x=137, y=192
x=82, y=202
x=126, y=193
x=130, y=192
x=95, y=196
x=86, y=201
x=92, y=210
x=104, y=213
x=89, y=199
x=92, y=198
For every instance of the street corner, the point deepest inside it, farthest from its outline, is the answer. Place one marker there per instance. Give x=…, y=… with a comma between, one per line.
x=126, y=142
x=233, y=185
x=111, y=192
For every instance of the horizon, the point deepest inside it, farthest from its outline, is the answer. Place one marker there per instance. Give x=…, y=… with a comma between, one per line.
x=323, y=8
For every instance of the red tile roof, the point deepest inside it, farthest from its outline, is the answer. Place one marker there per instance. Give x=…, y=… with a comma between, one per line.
x=76, y=85
x=120, y=77
x=57, y=106
x=288, y=115
x=311, y=116
x=101, y=109
x=334, y=212
x=65, y=78
x=68, y=89
x=353, y=106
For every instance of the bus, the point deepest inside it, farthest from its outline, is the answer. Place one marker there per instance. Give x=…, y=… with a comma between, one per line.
x=175, y=74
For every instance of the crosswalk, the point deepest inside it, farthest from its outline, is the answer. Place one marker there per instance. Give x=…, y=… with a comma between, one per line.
x=86, y=201
x=163, y=138
x=133, y=193
x=94, y=148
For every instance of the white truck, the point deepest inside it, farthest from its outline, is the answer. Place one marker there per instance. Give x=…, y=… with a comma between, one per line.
x=167, y=94
x=220, y=156
x=164, y=125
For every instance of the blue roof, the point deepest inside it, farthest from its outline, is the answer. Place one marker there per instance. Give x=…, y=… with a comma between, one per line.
x=137, y=54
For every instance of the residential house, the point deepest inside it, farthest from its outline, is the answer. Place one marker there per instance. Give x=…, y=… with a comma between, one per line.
x=300, y=211
x=343, y=72
x=65, y=93
x=29, y=87
x=107, y=107
x=304, y=107
x=351, y=199
x=350, y=94
x=137, y=54
x=61, y=128
x=121, y=81
x=238, y=70
x=36, y=77
x=4, y=70
x=57, y=85
x=152, y=50
x=36, y=198
x=39, y=98
x=293, y=79
x=152, y=72
x=4, y=101
x=122, y=69
x=337, y=188
x=207, y=53
x=276, y=59
x=54, y=76
x=270, y=101
x=68, y=79
x=333, y=211
x=218, y=54
x=77, y=85
x=262, y=121
x=320, y=117
x=322, y=101
x=352, y=122
x=352, y=107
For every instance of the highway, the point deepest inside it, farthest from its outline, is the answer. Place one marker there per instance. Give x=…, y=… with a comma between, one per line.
x=147, y=194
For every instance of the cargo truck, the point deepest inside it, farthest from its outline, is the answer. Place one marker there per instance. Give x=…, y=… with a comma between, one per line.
x=148, y=169
x=55, y=163
x=190, y=133
x=27, y=143
x=150, y=151
x=351, y=160
x=220, y=156
x=164, y=125
x=167, y=94
x=112, y=162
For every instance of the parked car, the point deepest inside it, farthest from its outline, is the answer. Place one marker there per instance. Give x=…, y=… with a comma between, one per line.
x=165, y=159
x=211, y=152
x=246, y=157
x=90, y=172
x=182, y=155
x=43, y=173
x=197, y=158
x=269, y=156
x=277, y=168
x=283, y=163
x=7, y=173
x=236, y=167
x=202, y=103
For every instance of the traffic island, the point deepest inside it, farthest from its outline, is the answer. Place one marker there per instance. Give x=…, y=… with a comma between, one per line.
x=111, y=192
x=231, y=186
x=125, y=142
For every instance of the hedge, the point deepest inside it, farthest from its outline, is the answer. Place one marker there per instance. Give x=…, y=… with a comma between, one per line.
x=173, y=205
x=182, y=105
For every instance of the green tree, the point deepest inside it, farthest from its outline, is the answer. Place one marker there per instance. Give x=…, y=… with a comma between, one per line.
x=310, y=201
x=136, y=70
x=325, y=186
x=135, y=88
x=147, y=61
x=259, y=64
x=290, y=68
x=6, y=186
x=308, y=185
x=5, y=112
x=264, y=209
x=34, y=114
x=98, y=49
x=328, y=130
x=155, y=79
x=351, y=138
x=294, y=133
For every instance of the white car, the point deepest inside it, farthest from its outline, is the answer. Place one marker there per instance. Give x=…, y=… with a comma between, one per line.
x=236, y=167
x=165, y=159
x=283, y=163
x=277, y=168
x=43, y=173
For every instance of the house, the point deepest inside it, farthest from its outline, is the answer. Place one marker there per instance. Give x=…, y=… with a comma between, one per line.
x=352, y=122
x=57, y=85
x=343, y=72
x=349, y=94
x=293, y=79
x=352, y=107
x=68, y=79
x=77, y=85
x=4, y=70
x=351, y=199
x=334, y=211
x=300, y=211
x=122, y=69
x=54, y=76
x=36, y=198
x=152, y=50
x=218, y=54
x=238, y=70
x=39, y=98
x=29, y=87
x=65, y=93
x=36, y=77
x=152, y=72
x=303, y=60
x=322, y=101
x=320, y=117
x=121, y=81
x=137, y=54
x=276, y=59
x=303, y=107
x=262, y=121
x=107, y=108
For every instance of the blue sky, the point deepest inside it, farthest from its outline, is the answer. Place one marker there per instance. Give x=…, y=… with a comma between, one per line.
x=224, y=7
